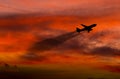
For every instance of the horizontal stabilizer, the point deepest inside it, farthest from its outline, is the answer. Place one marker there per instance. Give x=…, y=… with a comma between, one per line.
x=78, y=30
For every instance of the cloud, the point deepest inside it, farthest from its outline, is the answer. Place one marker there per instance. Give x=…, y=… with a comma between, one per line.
x=52, y=32
x=49, y=44
x=82, y=44
x=92, y=45
x=105, y=51
x=111, y=68
x=13, y=28
x=73, y=7
x=24, y=23
x=34, y=57
x=52, y=42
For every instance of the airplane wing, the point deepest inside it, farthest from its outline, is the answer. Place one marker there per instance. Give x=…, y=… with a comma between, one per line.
x=93, y=25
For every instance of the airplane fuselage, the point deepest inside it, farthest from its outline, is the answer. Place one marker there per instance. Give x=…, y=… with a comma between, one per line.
x=86, y=28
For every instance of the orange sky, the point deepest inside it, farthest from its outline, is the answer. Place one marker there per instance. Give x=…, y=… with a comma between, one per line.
x=24, y=23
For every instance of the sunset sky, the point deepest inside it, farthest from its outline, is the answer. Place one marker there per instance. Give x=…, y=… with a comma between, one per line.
x=29, y=27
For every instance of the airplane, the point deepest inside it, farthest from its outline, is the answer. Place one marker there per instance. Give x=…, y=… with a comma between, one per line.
x=86, y=28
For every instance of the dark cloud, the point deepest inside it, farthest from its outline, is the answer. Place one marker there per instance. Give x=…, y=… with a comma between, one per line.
x=105, y=51
x=52, y=42
x=32, y=56
x=82, y=44
x=77, y=43
x=12, y=24
x=48, y=44
x=23, y=23
x=44, y=24
x=13, y=28
x=112, y=68
x=99, y=35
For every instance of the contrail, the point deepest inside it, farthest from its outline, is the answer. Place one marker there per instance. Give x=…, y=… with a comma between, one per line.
x=48, y=44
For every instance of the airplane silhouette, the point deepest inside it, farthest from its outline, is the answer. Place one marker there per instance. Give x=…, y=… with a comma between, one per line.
x=86, y=28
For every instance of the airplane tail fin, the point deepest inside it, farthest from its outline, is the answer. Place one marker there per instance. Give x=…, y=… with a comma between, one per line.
x=78, y=30
x=83, y=25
